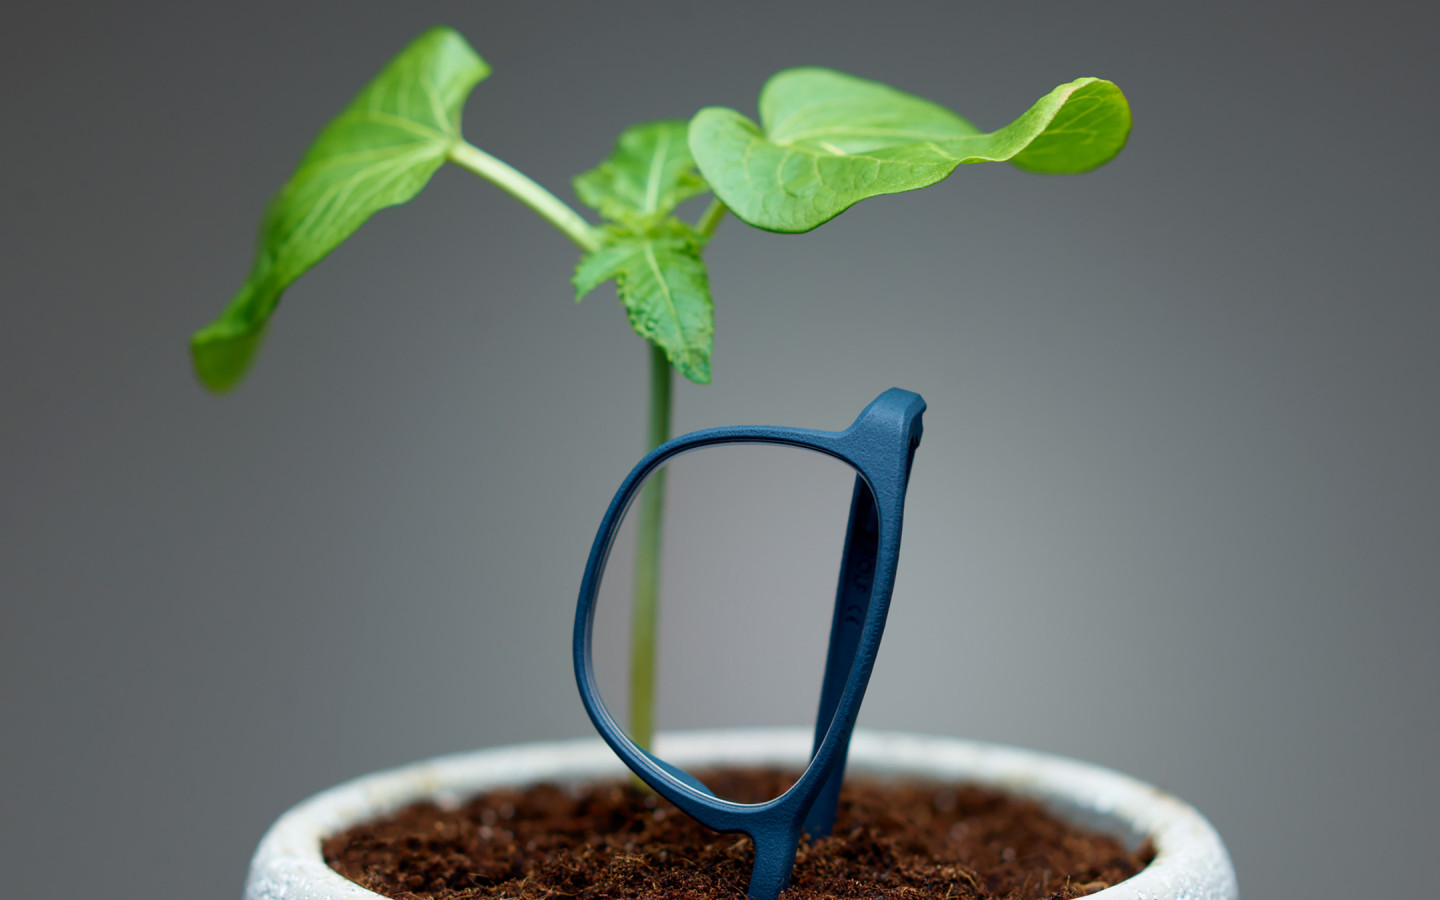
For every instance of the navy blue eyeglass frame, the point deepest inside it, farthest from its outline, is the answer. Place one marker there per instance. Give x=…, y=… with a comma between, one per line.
x=880, y=447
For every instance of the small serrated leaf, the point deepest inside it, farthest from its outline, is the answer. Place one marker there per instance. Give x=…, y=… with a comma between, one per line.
x=380, y=151
x=830, y=140
x=649, y=173
x=661, y=279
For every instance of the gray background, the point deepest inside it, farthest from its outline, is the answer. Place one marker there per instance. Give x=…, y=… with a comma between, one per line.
x=1176, y=511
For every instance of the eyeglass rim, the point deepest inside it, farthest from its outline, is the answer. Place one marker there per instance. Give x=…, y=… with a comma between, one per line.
x=632, y=753
x=871, y=449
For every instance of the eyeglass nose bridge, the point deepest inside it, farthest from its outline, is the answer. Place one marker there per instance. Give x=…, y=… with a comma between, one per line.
x=773, y=827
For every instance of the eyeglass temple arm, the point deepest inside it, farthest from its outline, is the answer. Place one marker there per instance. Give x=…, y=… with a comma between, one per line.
x=852, y=603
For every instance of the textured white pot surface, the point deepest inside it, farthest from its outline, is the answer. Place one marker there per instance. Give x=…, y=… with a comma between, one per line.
x=1190, y=862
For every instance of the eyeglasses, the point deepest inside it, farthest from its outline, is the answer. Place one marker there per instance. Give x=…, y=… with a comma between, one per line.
x=879, y=447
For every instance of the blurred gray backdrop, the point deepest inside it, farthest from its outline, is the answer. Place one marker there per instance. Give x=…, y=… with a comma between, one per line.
x=1177, y=510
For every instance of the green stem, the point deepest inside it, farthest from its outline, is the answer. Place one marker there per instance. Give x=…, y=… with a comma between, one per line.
x=645, y=609
x=520, y=186
x=711, y=218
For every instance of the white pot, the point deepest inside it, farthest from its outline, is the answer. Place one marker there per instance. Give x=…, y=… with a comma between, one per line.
x=1190, y=862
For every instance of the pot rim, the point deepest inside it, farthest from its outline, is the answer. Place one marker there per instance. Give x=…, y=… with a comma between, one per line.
x=1190, y=862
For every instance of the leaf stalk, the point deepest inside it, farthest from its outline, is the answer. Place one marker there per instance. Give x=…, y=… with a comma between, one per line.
x=712, y=217
x=523, y=188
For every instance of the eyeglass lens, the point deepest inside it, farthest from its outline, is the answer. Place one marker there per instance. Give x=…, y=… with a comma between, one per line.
x=752, y=542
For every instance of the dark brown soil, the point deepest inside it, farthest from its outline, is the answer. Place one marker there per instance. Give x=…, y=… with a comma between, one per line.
x=905, y=840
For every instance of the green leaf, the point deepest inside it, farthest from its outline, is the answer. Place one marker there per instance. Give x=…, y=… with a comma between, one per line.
x=662, y=282
x=380, y=151
x=646, y=177
x=830, y=140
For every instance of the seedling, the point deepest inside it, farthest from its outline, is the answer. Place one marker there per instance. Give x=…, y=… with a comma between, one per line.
x=825, y=141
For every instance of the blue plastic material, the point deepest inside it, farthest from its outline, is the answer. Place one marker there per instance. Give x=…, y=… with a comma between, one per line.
x=880, y=446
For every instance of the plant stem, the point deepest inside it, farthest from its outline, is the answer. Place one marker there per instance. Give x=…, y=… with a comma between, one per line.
x=645, y=608
x=711, y=218
x=520, y=186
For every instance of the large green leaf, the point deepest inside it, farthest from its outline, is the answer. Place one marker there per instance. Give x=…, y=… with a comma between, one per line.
x=646, y=177
x=829, y=140
x=380, y=151
x=662, y=282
